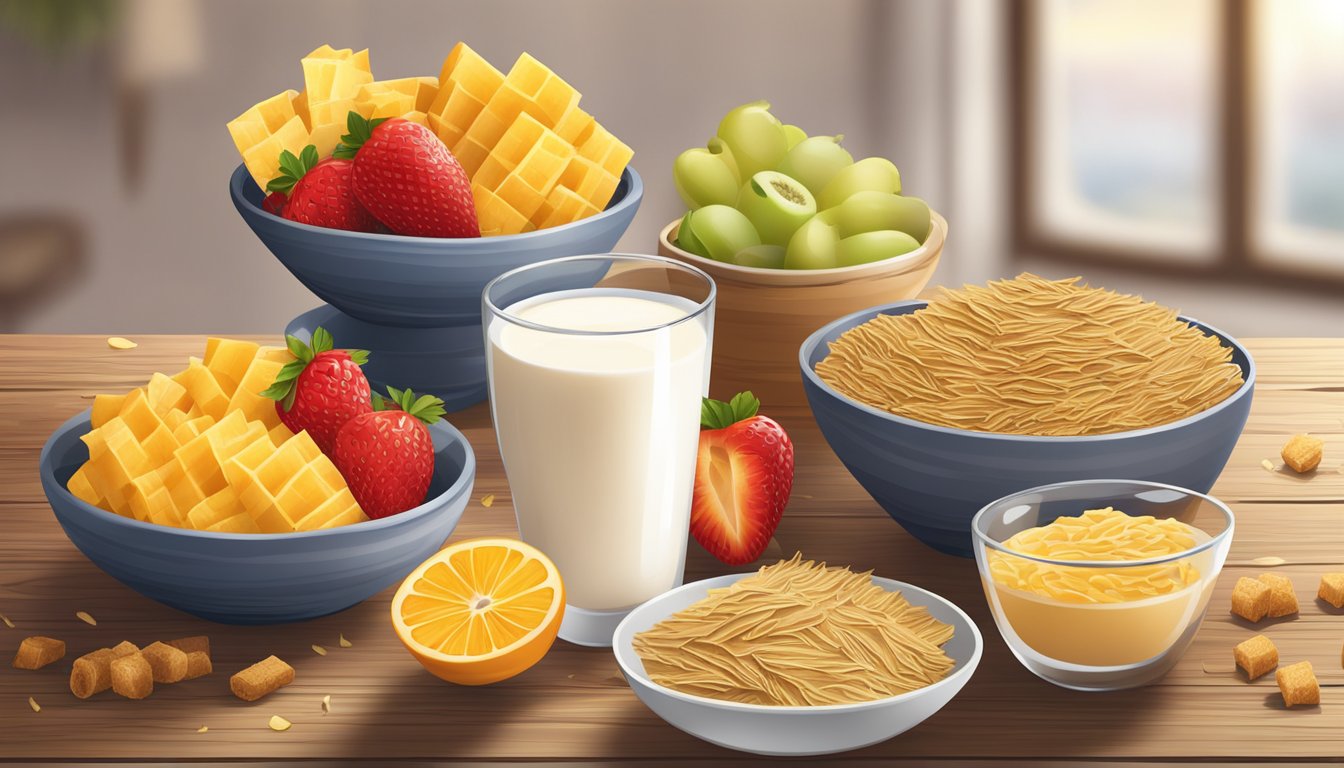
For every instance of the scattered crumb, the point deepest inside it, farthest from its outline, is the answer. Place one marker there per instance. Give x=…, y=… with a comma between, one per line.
x=571, y=677
x=86, y=618
x=319, y=650
x=488, y=500
x=203, y=729
x=5, y=619
x=326, y=704
x=119, y=342
x=33, y=703
x=1269, y=560
x=346, y=643
x=803, y=495
x=279, y=723
x=1268, y=465
x=87, y=396
x=1218, y=668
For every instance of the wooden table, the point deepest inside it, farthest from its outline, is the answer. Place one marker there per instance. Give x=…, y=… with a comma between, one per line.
x=574, y=707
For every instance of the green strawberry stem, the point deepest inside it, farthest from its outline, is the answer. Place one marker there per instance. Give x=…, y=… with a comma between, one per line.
x=426, y=408
x=292, y=169
x=283, y=389
x=360, y=129
x=716, y=414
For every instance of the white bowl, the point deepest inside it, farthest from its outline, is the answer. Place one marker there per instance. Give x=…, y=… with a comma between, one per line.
x=785, y=731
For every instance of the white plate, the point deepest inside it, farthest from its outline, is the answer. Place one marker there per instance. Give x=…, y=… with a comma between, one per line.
x=781, y=731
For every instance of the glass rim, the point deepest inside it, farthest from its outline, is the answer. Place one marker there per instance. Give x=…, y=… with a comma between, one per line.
x=700, y=308
x=1214, y=540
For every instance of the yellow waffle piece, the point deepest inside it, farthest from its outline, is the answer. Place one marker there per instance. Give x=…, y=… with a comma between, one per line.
x=466, y=82
x=186, y=451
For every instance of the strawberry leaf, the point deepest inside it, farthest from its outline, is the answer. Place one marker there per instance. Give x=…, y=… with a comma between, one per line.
x=282, y=389
x=360, y=129
x=359, y=356
x=293, y=168
x=322, y=341
x=426, y=408
x=716, y=414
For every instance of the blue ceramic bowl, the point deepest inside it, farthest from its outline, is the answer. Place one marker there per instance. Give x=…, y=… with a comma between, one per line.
x=421, y=282
x=259, y=578
x=447, y=362
x=932, y=480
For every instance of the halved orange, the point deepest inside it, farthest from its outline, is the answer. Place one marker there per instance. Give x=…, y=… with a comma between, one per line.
x=480, y=611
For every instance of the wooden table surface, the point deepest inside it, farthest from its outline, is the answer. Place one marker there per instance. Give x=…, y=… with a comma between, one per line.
x=574, y=707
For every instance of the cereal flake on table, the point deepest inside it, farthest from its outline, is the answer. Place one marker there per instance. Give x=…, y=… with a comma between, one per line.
x=1257, y=656
x=1303, y=453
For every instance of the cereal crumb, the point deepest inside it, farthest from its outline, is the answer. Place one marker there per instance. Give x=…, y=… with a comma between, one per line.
x=120, y=342
x=279, y=723
x=202, y=729
x=86, y=618
x=1268, y=465
x=1215, y=668
x=326, y=704
x=34, y=705
x=346, y=643
x=488, y=500
x=1303, y=453
x=6, y=620
x=319, y=650
x=1269, y=560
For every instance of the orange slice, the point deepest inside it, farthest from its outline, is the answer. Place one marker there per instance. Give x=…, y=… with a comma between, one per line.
x=480, y=611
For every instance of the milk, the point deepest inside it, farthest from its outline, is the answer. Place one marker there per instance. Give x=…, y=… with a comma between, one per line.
x=598, y=435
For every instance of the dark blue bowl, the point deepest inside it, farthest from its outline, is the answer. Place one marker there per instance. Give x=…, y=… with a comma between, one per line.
x=932, y=480
x=447, y=362
x=259, y=578
x=421, y=282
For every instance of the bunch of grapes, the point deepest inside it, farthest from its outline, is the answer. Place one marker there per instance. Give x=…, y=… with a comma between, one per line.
x=765, y=194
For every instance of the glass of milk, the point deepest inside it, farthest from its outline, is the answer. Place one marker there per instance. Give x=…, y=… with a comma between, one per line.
x=597, y=368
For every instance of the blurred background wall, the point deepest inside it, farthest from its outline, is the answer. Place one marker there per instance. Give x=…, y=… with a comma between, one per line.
x=1191, y=151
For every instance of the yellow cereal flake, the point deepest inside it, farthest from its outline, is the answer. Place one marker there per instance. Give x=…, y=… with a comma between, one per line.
x=279, y=723
x=203, y=729
x=1269, y=560
x=1218, y=668
x=346, y=643
x=6, y=620
x=326, y=704
x=488, y=500
x=86, y=618
x=319, y=650
x=120, y=342
x=34, y=705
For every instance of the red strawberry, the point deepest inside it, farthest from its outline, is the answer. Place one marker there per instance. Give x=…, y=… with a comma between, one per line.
x=743, y=475
x=320, y=192
x=387, y=456
x=407, y=178
x=321, y=389
x=275, y=203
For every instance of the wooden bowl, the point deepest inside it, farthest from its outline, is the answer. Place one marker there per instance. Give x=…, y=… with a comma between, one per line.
x=763, y=316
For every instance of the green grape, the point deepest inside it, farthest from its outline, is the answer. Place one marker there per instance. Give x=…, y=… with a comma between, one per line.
x=755, y=137
x=686, y=239
x=873, y=246
x=702, y=178
x=793, y=134
x=871, y=173
x=776, y=205
x=761, y=256
x=815, y=161
x=871, y=211
x=813, y=246
x=721, y=150
x=721, y=231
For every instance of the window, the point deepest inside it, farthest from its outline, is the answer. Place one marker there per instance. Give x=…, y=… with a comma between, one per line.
x=1197, y=136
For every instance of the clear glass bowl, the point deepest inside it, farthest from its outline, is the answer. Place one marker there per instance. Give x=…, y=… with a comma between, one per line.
x=1101, y=646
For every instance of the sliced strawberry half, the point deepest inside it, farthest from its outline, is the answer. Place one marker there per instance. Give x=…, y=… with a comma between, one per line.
x=743, y=476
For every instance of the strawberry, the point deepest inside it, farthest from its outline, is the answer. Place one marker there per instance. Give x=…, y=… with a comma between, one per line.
x=408, y=179
x=387, y=456
x=275, y=203
x=320, y=192
x=321, y=389
x=743, y=475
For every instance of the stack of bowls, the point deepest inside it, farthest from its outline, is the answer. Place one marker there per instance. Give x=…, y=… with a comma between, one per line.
x=415, y=302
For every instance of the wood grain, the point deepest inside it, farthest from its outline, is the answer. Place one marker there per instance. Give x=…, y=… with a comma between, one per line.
x=574, y=707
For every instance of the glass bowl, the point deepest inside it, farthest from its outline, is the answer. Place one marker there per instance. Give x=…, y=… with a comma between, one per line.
x=1101, y=643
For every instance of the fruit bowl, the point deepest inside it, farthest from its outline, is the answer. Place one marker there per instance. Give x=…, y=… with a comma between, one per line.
x=763, y=315
x=781, y=731
x=259, y=578
x=932, y=479
x=421, y=282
